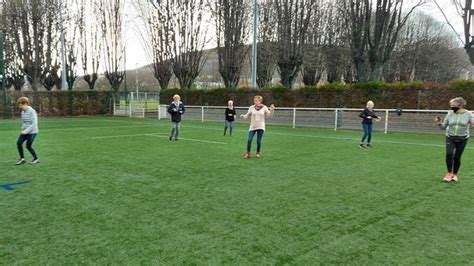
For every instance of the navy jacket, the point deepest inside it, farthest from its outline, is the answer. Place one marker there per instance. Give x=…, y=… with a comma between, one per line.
x=364, y=114
x=176, y=111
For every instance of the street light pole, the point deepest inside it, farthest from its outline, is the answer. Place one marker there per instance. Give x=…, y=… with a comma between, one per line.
x=3, y=78
x=64, y=84
x=254, y=45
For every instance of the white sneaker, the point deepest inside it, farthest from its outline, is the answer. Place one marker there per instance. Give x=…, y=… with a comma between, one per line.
x=35, y=161
x=20, y=161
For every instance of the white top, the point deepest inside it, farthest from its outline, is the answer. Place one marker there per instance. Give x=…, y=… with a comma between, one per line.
x=257, y=118
x=29, y=121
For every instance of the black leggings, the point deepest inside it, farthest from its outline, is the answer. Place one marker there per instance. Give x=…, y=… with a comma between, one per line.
x=454, y=149
x=29, y=138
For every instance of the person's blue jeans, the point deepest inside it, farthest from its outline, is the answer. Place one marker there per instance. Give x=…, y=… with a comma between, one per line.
x=175, y=126
x=259, y=139
x=367, y=133
x=29, y=138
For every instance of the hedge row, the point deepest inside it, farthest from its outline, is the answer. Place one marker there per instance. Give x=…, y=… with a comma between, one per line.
x=60, y=103
x=416, y=95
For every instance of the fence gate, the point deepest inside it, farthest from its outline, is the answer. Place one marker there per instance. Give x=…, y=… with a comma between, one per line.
x=138, y=104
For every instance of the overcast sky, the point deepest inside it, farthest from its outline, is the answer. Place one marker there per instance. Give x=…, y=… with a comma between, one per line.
x=137, y=56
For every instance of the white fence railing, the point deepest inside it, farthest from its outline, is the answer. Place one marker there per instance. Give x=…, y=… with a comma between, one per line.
x=335, y=118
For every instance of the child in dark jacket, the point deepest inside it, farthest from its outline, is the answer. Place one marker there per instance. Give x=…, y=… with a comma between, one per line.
x=229, y=117
x=175, y=109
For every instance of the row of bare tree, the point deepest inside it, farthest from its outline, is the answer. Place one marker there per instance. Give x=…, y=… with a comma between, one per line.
x=319, y=40
x=349, y=40
x=93, y=35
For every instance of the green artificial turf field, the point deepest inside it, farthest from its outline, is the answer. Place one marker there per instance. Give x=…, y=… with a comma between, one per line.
x=117, y=191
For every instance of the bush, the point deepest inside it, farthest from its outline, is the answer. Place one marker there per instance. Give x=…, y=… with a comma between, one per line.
x=461, y=85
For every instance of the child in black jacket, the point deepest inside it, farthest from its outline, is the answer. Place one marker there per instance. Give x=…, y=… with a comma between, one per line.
x=229, y=117
x=175, y=109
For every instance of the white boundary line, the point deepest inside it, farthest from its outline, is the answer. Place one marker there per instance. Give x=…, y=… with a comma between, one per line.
x=136, y=125
x=335, y=138
x=120, y=136
x=196, y=140
x=358, y=139
x=161, y=135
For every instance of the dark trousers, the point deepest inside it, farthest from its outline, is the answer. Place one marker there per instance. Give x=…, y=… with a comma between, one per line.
x=367, y=133
x=29, y=138
x=259, y=139
x=454, y=149
x=230, y=125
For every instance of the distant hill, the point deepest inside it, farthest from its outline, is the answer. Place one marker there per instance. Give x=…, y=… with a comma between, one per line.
x=209, y=76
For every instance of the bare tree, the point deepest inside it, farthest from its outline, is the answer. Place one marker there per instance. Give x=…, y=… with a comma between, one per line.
x=389, y=18
x=313, y=63
x=464, y=9
x=90, y=42
x=374, y=26
x=158, y=38
x=335, y=46
x=426, y=50
x=112, y=40
x=293, y=18
x=232, y=28
x=34, y=32
x=188, y=38
x=358, y=25
x=72, y=37
x=266, y=46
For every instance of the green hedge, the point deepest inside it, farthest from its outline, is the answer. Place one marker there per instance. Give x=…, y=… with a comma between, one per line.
x=61, y=103
x=414, y=95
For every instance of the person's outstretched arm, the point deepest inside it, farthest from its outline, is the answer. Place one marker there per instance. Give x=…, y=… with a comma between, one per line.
x=246, y=116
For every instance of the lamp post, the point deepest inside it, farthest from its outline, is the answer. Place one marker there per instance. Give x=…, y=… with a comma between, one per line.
x=64, y=84
x=136, y=77
x=254, y=45
x=3, y=79
x=471, y=33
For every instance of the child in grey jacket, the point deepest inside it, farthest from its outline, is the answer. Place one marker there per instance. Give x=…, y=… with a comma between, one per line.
x=29, y=130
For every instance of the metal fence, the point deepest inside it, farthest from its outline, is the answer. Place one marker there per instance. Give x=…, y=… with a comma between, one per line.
x=421, y=121
x=138, y=104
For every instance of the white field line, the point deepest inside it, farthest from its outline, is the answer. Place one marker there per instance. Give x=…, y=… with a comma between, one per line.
x=237, y=130
x=121, y=136
x=196, y=140
x=86, y=128
x=161, y=135
x=335, y=138
x=358, y=139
